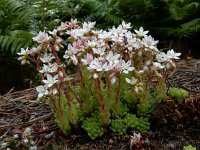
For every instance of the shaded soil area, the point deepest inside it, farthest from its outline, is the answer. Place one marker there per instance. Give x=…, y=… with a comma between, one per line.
x=174, y=124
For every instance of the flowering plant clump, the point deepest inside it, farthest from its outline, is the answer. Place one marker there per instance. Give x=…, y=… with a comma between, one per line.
x=119, y=71
x=25, y=141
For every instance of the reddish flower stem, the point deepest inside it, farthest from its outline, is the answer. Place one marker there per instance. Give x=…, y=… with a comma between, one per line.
x=118, y=89
x=100, y=95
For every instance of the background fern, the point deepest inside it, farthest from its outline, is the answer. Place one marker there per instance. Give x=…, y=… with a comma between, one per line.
x=176, y=23
x=14, y=25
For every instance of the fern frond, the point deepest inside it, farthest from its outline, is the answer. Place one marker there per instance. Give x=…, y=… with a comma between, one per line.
x=191, y=27
x=15, y=40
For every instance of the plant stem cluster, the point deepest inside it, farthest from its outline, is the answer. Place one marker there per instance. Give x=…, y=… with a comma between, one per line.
x=120, y=72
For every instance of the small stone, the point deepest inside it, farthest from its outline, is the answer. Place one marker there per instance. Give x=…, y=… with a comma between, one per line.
x=111, y=141
x=50, y=135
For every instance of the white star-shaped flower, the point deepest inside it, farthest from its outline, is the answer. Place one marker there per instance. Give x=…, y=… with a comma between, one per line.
x=126, y=26
x=42, y=90
x=126, y=66
x=149, y=42
x=141, y=33
x=47, y=57
x=51, y=80
x=171, y=54
x=114, y=58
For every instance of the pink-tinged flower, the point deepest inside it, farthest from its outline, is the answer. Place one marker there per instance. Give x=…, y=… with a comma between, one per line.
x=79, y=44
x=35, y=50
x=58, y=40
x=171, y=54
x=141, y=33
x=42, y=37
x=149, y=42
x=126, y=66
x=63, y=26
x=42, y=90
x=97, y=65
x=88, y=60
x=51, y=80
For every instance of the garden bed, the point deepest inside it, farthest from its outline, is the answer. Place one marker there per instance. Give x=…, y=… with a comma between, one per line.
x=176, y=124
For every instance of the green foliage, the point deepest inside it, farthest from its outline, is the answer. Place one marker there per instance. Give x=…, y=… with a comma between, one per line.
x=93, y=126
x=143, y=124
x=119, y=110
x=181, y=19
x=15, y=40
x=131, y=121
x=160, y=91
x=189, y=147
x=118, y=126
x=62, y=115
x=177, y=93
x=167, y=17
x=14, y=26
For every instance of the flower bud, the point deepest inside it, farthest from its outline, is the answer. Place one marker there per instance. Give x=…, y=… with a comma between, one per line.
x=168, y=65
x=140, y=53
x=57, y=48
x=16, y=136
x=113, y=80
x=148, y=62
x=60, y=74
x=95, y=75
x=145, y=68
x=25, y=141
x=136, y=89
x=55, y=91
x=140, y=89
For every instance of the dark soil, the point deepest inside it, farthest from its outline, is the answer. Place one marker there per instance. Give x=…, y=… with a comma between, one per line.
x=174, y=124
